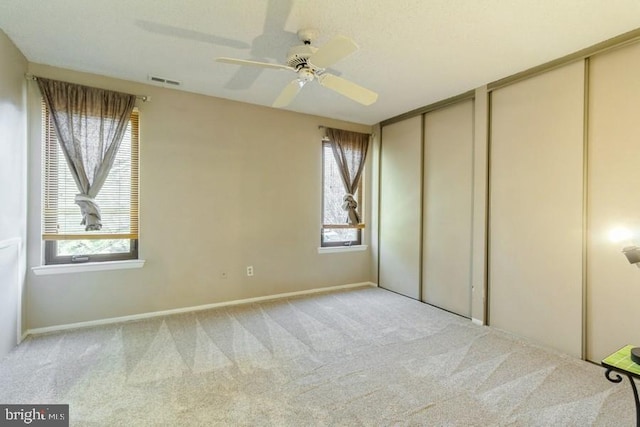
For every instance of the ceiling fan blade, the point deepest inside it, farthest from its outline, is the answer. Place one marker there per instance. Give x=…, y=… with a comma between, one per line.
x=333, y=51
x=349, y=89
x=288, y=93
x=254, y=63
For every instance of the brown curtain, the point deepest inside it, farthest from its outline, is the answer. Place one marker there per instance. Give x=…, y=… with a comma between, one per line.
x=90, y=124
x=350, y=152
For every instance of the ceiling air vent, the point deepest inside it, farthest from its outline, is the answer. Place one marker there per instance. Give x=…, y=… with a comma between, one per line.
x=164, y=81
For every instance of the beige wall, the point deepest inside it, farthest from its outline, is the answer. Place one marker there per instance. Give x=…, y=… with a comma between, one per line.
x=13, y=195
x=536, y=208
x=613, y=288
x=223, y=185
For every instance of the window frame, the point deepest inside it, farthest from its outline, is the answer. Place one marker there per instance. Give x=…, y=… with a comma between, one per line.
x=51, y=256
x=359, y=199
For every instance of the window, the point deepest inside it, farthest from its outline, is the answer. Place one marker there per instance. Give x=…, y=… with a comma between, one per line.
x=335, y=228
x=66, y=240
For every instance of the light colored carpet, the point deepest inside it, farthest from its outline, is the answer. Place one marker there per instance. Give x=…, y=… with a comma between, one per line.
x=360, y=357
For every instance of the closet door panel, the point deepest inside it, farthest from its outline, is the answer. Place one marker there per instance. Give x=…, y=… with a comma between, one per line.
x=613, y=285
x=536, y=208
x=447, y=207
x=400, y=207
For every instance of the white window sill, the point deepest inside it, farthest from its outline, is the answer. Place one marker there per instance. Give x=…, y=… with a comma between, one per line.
x=339, y=249
x=87, y=266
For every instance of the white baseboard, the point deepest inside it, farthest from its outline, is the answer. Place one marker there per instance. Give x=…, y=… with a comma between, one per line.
x=477, y=322
x=141, y=316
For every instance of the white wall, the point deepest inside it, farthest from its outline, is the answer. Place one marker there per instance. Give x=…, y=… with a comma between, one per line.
x=223, y=185
x=13, y=173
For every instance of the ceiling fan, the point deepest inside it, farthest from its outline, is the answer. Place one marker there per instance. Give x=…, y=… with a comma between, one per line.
x=310, y=63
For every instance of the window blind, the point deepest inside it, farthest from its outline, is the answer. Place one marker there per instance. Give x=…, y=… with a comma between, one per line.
x=118, y=198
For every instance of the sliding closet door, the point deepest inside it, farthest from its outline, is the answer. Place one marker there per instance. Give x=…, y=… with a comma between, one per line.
x=447, y=207
x=400, y=207
x=613, y=291
x=536, y=208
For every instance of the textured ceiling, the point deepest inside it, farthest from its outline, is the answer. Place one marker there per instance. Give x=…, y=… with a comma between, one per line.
x=412, y=52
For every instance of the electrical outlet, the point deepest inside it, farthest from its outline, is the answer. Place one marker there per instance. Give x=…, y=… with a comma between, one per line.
x=250, y=270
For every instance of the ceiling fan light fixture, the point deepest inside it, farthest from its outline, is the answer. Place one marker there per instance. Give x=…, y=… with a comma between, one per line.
x=305, y=74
